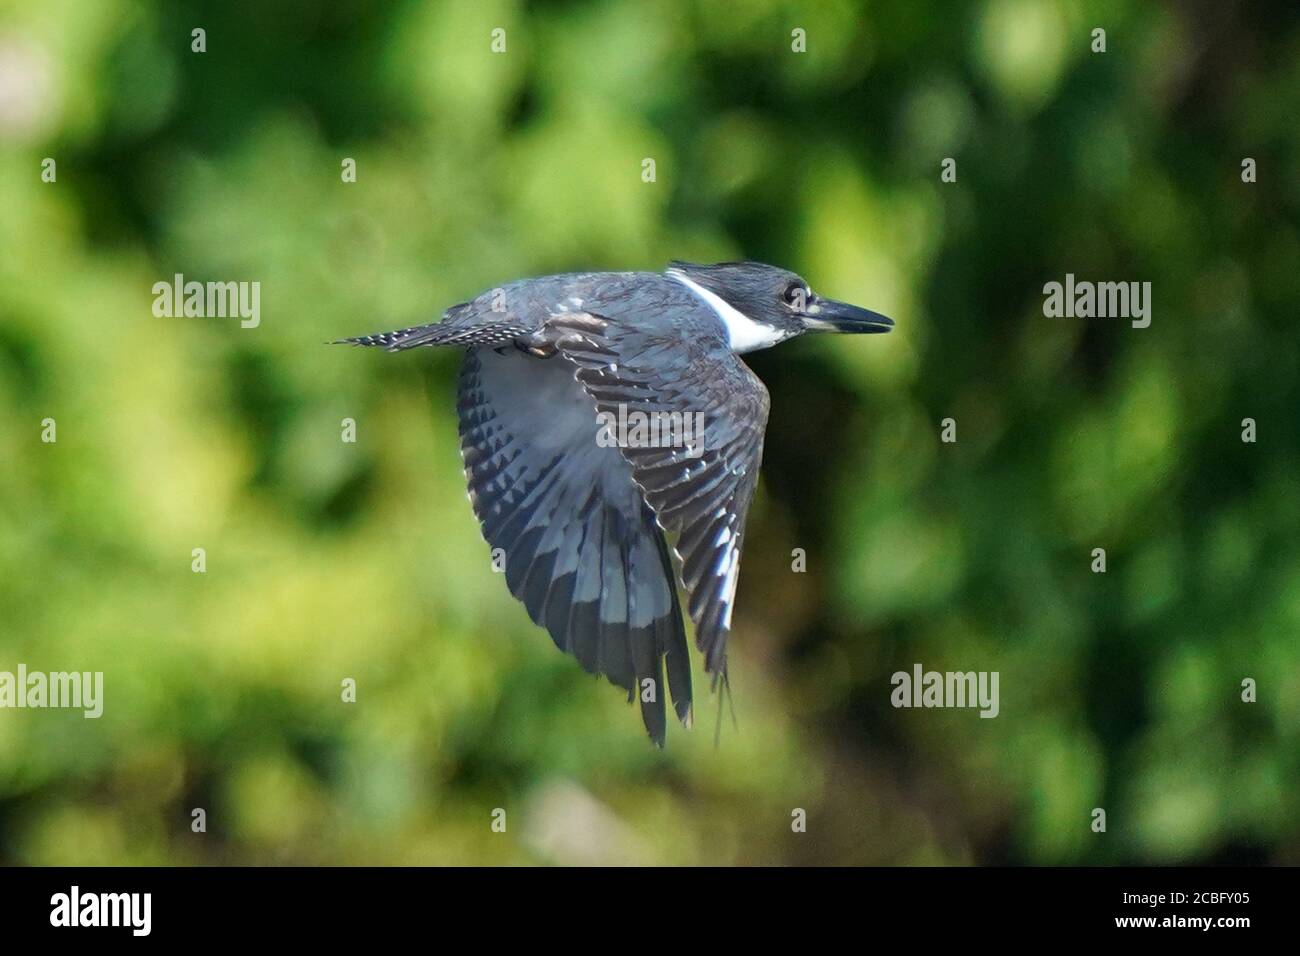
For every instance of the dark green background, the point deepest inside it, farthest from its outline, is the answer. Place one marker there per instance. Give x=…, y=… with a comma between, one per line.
x=329, y=560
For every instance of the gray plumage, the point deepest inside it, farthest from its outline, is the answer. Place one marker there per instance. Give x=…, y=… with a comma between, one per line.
x=582, y=524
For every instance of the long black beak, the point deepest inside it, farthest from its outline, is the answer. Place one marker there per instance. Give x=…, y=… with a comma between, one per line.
x=827, y=315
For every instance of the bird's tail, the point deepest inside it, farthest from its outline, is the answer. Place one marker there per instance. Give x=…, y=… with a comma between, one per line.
x=461, y=327
x=387, y=340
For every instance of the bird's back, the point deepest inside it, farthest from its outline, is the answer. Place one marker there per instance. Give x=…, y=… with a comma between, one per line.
x=648, y=301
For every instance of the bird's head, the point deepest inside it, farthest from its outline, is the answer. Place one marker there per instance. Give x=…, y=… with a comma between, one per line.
x=779, y=299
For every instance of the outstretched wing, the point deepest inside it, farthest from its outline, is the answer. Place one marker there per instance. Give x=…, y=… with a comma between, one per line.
x=582, y=549
x=702, y=493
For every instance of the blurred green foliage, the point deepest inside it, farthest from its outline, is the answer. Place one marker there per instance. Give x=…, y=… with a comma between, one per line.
x=329, y=560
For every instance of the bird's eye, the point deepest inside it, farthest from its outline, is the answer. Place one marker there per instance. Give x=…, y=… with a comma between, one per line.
x=795, y=295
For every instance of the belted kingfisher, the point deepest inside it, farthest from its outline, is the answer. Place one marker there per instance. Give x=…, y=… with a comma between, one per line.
x=581, y=522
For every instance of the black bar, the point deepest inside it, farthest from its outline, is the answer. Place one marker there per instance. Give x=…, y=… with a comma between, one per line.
x=330, y=905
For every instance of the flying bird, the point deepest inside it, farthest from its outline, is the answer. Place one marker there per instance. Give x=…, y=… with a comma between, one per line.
x=581, y=514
